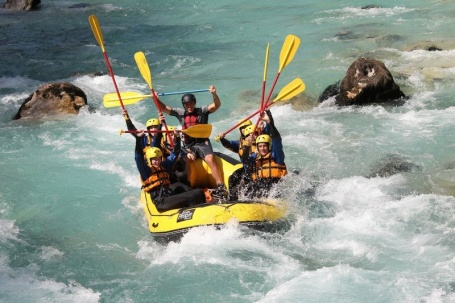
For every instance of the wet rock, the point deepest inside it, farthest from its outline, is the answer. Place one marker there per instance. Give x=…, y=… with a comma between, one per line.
x=367, y=81
x=80, y=5
x=371, y=6
x=346, y=35
x=91, y=74
x=21, y=4
x=392, y=164
x=431, y=46
x=388, y=39
x=301, y=102
x=330, y=91
x=52, y=99
x=449, y=166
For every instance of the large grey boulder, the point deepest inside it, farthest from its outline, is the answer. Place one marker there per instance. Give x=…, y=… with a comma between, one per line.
x=52, y=99
x=21, y=4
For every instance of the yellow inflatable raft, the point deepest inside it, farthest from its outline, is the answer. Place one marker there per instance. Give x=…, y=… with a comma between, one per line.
x=177, y=221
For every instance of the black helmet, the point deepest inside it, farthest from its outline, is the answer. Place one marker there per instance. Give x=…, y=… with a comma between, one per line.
x=188, y=98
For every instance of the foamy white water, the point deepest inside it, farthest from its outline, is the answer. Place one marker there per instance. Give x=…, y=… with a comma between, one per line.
x=71, y=225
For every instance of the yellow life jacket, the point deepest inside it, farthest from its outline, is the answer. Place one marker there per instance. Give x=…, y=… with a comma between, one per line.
x=267, y=168
x=159, y=176
x=242, y=143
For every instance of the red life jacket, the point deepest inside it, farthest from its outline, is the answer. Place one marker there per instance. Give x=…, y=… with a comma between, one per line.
x=190, y=120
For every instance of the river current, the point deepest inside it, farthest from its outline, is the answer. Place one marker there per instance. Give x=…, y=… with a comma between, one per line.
x=71, y=225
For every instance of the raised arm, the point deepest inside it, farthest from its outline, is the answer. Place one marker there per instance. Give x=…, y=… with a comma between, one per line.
x=277, y=144
x=274, y=133
x=216, y=100
x=164, y=108
x=170, y=160
x=129, y=123
x=232, y=145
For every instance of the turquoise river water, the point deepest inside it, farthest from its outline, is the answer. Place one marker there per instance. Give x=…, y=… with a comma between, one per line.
x=71, y=225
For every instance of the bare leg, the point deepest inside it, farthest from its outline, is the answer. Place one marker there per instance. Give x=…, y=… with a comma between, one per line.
x=210, y=159
x=190, y=157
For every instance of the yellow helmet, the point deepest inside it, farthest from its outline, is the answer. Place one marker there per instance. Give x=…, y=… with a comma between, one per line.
x=169, y=128
x=151, y=153
x=245, y=124
x=264, y=139
x=248, y=130
x=152, y=122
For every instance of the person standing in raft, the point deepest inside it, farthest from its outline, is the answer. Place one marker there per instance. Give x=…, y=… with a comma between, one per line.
x=265, y=166
x=167, y=196
x=191, y=115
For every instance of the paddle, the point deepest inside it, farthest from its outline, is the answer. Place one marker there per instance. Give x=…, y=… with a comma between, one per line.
x=264, y=79
x=94, y=24
x=293, y=88
x=288, y=50
x=265, y=74
x=195, y=131
x=143, y=66
x=290, y=46
x=128, y=98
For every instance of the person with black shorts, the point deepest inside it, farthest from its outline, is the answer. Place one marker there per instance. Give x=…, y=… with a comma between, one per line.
x=191, y=115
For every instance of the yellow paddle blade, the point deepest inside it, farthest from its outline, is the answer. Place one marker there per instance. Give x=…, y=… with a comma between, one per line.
x=290, y=46
x=143, y=66
x=96, y=29
x=266, y=62
x=294, y=88
x=198, y=131
x=128, y=98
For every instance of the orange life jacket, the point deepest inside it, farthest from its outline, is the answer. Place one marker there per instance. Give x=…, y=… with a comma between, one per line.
x=159, y=176
x=267, y=168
